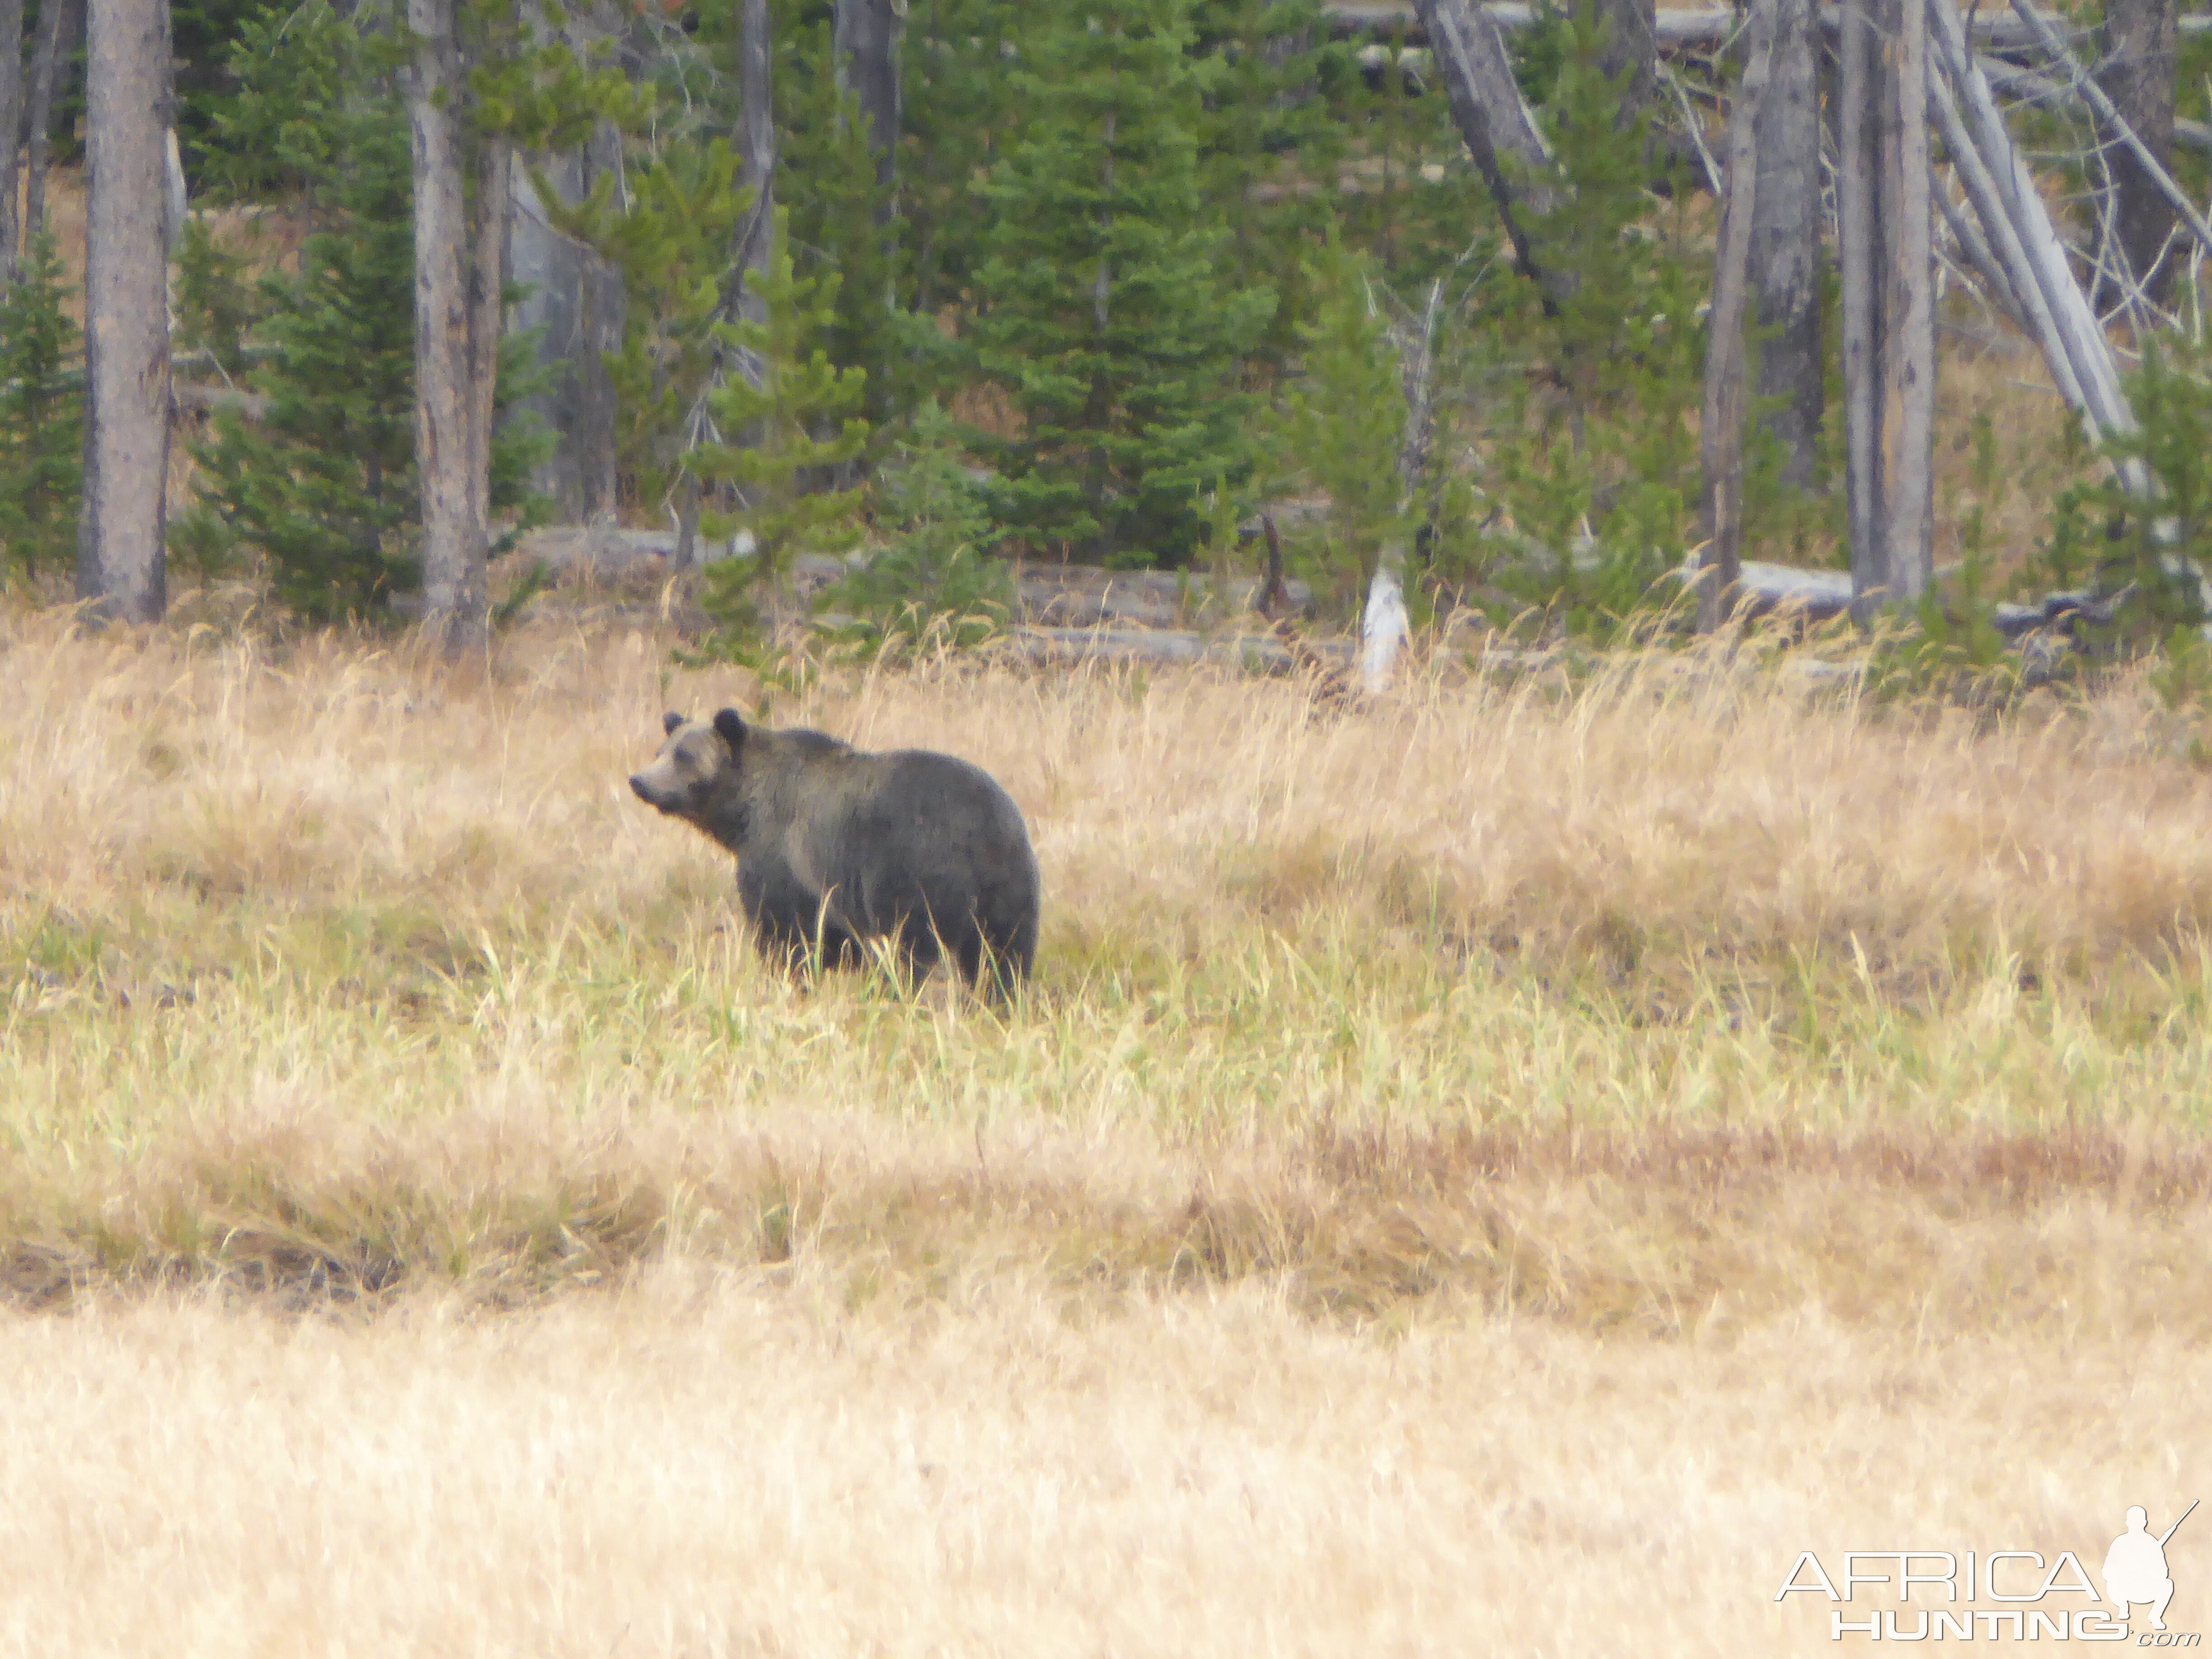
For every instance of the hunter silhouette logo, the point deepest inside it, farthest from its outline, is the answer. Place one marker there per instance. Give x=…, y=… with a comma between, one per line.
x=2027, y=1591
x=2135, y=1567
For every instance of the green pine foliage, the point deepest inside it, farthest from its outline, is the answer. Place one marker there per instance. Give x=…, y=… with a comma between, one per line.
x=2156, y=557
x=934, y=581
x=217, y=305
x=1265, y=123
x=320, y=492
x=959, y=106
x=1591, y=474
x=1410, y=194
x=767, y=452
x=1345, y=419
x=842, y=219
x=672, y=246
x=41, y=416
x=1104, y=317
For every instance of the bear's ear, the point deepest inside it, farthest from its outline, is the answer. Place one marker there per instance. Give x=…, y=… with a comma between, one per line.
x=730, y=729
x=670, y=720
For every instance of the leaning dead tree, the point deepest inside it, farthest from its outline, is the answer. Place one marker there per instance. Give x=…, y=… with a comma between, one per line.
x=1914, y=98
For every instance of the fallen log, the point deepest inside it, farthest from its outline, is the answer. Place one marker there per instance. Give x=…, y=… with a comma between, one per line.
x=1075, y=596
x=1168, y=648
x=1671, y=27
x=1689, y=29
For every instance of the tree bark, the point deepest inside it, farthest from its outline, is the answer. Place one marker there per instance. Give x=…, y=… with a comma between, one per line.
x=1908, y=305
x=1889, y=318
x=454, y=599
x=755, y=154
x=11, y=125
x=602, y=316
x=2137, y=75
x=867, y=40
x=2019, y=226
x=550, y=267
x=486, y=303
x=1721, y=422
x=1785, y=255
x=1859, y=237
x=126, y=320
x=56, y=21
x=1492, y=117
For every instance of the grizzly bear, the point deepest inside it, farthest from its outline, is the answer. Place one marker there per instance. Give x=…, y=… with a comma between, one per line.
x=836, y=847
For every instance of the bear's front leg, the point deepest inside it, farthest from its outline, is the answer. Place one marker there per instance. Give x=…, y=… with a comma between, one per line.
x=789, y=923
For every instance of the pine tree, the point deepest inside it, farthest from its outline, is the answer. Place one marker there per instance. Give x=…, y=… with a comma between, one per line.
x=41, y=415
x=1264, y=123
x=1345, y=415
x=672, y=242
x=959, y=106
x=321, y=487
x=1104, y=315
x=767, y=451
x=934, y=581
x=842, y=217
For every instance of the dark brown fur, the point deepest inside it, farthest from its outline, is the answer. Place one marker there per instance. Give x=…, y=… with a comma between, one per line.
x=836, y=847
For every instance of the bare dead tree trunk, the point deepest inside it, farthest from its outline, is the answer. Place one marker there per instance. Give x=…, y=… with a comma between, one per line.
x=1859, y=238
x=454, y=598
x=602, y=314
x=1785, y=255
x=551, y=267
x=1908, y=306
x=1889, y=298
x=126, y=319
x=867, y=41
x=2137, y=75
x=57, y=23
x=11, y=124
x=1722, y=423
x=756, y=156
x=1493, y=116
x=487, y=309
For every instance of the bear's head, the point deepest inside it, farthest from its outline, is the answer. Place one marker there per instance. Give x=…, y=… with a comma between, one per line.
x=697, y=760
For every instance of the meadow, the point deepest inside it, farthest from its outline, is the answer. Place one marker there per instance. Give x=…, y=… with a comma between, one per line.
x=1499, y=1169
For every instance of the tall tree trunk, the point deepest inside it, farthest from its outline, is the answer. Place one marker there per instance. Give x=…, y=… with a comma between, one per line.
x=57, y=22
x=1889, y=316
x=755, y=155
x=1908, y=305
x=454, y=600
x=867, y=67
x=1859, y=238
x=2137, y=74
x=1785, y=257
x=11, y=125
x=599, y=325
x=126, y=318
x=551, y=266
x=486, y=306
x=1721, y=426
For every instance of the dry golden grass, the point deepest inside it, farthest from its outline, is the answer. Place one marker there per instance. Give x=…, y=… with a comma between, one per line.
x=337, y=969
x=1499, y=1170
x=713, y=1465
